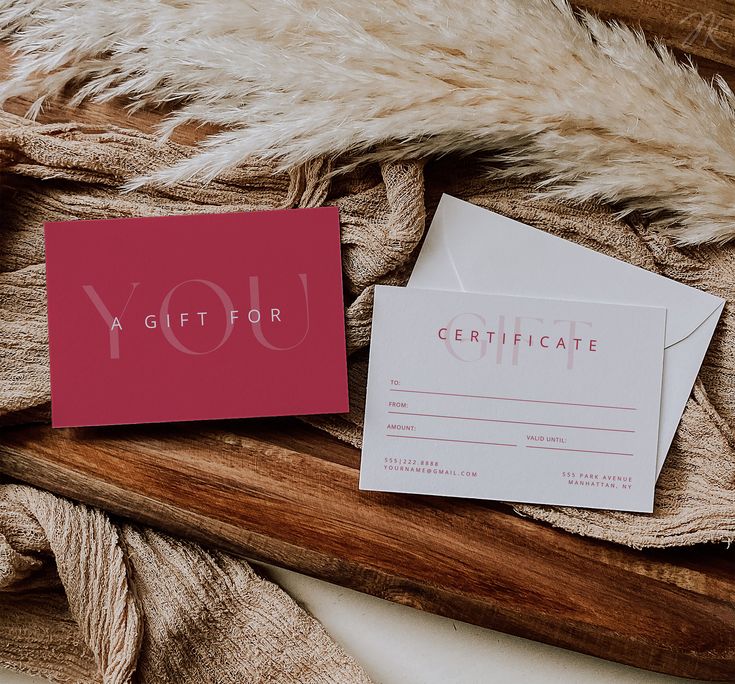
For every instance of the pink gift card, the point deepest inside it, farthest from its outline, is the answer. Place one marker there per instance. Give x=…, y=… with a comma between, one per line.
x=196, y=317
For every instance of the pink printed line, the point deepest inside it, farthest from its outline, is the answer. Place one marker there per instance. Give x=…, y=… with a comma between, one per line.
x=460, y=441
x=581, y=451
x=530, y=401
x=513, y=422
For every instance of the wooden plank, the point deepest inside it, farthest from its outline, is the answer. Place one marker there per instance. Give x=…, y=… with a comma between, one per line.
x=281, y=492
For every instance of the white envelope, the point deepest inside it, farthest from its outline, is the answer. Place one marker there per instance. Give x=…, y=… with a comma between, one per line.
x=471, y=249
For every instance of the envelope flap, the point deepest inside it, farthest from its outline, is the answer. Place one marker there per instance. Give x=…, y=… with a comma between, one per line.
x=488, y=252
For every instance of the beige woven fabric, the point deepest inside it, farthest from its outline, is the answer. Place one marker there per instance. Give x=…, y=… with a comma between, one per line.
x=86, y=599
x=383, y=210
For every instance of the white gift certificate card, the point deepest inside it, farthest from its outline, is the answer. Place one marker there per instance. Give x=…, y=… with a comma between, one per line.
x=513, y=398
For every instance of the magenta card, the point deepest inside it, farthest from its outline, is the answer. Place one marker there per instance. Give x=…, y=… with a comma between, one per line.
x=196, y=317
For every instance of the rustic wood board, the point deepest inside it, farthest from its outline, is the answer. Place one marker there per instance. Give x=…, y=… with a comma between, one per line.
x=281, y=492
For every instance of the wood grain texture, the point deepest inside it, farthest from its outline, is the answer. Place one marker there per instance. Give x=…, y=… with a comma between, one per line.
x=281, y=492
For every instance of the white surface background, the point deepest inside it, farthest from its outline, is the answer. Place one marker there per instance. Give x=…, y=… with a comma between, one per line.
x=399, y=645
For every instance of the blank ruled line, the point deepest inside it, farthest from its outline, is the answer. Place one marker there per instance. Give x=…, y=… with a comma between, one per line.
x=529, y=401
x=512, y=422
x=443, y=439
x=581, y=451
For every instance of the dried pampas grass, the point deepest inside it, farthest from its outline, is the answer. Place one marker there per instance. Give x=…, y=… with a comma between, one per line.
x=586, y=106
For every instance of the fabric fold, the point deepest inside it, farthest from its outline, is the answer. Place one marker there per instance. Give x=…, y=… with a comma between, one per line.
x=84, y=598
